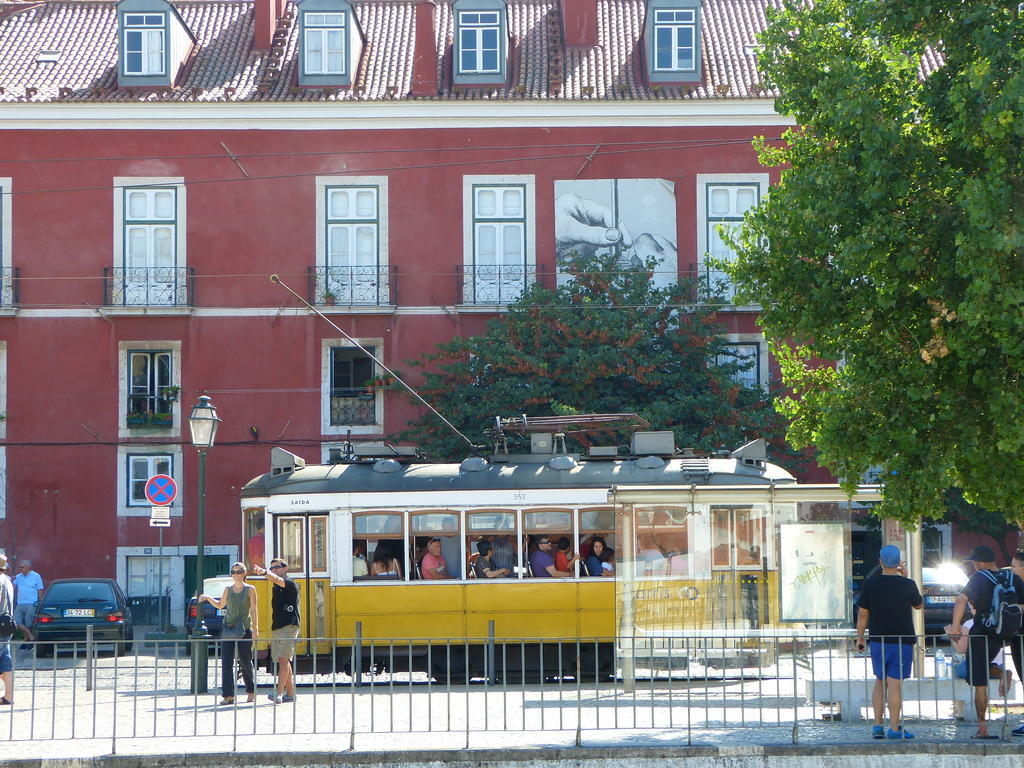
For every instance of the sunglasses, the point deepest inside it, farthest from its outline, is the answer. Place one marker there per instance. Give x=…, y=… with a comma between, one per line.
x=237, y=572
x=544, y=541
x=273, y=567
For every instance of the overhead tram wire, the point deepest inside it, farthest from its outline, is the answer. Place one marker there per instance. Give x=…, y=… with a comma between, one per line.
x=377, y=360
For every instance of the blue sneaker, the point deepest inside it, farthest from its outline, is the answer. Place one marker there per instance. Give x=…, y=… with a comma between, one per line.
x=1018, y=731
x=286, y=699
x=878, y=732
x=899, y=733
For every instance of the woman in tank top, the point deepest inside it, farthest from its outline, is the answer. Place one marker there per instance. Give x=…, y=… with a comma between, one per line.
x=239, y=630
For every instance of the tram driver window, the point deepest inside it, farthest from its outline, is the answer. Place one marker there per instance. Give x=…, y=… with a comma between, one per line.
x=443, y=526
x=253, y=527
x=380, y=536
x=661, y=542
x=291, y=543
x=737, y=537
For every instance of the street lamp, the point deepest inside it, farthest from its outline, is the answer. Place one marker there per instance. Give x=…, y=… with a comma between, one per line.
x=203, y=423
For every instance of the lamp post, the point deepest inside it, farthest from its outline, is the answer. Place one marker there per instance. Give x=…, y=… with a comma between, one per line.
x=203, y=423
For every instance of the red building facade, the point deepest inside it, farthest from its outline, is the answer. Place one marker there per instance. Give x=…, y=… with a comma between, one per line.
x=406, y=166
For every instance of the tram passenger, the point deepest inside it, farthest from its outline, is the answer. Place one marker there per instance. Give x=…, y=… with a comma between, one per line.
x=385, y=564
x=432, y=564
x=542, y=561
x=450, y=548
x=564, y=560
x=602, y=558
x=503, y=554
x=484, y=567
x=359, y=567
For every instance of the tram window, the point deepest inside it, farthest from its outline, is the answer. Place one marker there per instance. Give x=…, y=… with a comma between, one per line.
x=595, y=522
x=662, y=543
x=378, y=525
x=494, y=527
x=440, y=525
x=253, y=525
x=318, y=545
x=545, y=524
x=290, y=538
x=379, y=535
x=737, y=537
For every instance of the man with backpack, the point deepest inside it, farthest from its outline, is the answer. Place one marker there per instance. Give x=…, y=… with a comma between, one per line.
x=1017, y=644
x=995, y=597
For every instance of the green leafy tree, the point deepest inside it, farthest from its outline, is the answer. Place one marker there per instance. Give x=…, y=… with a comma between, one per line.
x=607, y=341
x=893, y=244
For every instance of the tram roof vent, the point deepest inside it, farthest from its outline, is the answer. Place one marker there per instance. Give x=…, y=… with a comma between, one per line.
x=283, y=462
x=654, y=443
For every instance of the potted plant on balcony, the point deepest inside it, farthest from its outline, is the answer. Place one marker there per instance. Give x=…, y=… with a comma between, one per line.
x=136, y=419
x=161, y=419
x=171, y=393
x=329, y=298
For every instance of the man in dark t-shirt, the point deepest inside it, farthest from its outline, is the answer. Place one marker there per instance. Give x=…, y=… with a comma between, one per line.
x=284, y=628
x=886, y=602
x=983, y=644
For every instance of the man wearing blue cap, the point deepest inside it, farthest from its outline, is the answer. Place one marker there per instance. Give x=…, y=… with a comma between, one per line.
x=886, y=602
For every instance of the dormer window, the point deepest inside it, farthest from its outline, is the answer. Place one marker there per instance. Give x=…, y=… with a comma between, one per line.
x=672, y=41
x=154, y=43
x=330, y=43
x=481, y=42
x=323, y=43
x=145, y=43
x=674, y=34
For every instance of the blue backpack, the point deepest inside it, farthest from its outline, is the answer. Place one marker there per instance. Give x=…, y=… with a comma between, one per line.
x=1004, y=618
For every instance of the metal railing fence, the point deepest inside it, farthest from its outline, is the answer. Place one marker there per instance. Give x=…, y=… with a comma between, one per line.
x=689, y=683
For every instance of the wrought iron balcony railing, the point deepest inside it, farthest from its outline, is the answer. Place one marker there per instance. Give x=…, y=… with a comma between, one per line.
x=353, y=286
x=494, y=283
x=148, y=286
x=8, y=287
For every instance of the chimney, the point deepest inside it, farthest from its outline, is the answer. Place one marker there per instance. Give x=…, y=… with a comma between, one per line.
x=267, y=13
x=579, y=21
x=424, y=57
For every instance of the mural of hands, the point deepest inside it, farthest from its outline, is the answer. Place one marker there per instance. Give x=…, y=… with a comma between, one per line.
x=647, y=247
x=585, y=225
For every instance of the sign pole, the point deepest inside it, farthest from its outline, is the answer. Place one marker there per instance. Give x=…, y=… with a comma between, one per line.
x=160, y=580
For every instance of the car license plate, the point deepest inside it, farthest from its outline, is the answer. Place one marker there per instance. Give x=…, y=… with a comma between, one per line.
x=221, y=611
x=942, y=599
x=80, y=612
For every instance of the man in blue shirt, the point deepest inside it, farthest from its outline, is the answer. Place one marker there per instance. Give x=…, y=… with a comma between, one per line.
x=27, y=586
x=542, y=562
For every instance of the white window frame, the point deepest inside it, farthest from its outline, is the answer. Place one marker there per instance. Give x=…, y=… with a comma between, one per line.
x=326, y=428
x=122, y=185
x=752, y=339
x=470, y=225
x=174, y=347
x=3, y=391
x=6, y=224
x=324, y=184
x=314, y=24
x=704, y=182
x=150, y=32
x=675, y=20
x=124, y=507
x=476, y=29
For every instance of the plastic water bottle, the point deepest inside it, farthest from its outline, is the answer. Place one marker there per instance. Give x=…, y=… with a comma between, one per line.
x=949, y=667
x=941, y=670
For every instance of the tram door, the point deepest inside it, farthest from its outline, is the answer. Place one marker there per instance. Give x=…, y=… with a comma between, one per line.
x=303, y=544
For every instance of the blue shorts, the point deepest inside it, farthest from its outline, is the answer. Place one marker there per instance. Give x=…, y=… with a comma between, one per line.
x=894, y=658
x=6, y=662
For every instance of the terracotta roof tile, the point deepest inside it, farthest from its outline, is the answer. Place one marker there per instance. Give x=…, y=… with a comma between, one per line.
x=225, y=67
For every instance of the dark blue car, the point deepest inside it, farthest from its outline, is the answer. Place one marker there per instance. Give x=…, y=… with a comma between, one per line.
x=214, y=618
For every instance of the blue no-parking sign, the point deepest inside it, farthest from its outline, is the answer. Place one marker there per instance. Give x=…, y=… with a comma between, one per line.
x=161, y=490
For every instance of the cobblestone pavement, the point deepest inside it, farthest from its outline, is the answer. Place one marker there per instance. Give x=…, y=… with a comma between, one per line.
x=141, y=704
